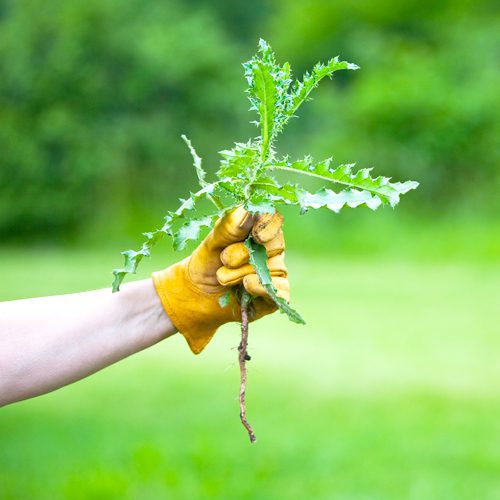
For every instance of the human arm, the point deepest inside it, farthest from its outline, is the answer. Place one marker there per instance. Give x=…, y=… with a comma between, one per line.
x=49, y=342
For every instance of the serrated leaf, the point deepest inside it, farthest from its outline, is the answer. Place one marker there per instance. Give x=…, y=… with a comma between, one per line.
x=239, y=161
x=133, y=258
x=336, y=201
x=258, y=260
x=265, y=91
x=269, y=188
x=301, y=89
x=259, y=204
x=380, y=187
x=200, y=172
x=190, y=231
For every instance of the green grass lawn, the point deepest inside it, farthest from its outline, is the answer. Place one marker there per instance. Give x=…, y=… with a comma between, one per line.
x=392, y=390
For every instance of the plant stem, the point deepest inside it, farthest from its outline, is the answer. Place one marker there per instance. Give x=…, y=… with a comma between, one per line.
x=243, y=357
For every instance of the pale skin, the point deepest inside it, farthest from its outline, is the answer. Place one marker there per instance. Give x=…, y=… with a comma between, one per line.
x=49, y=342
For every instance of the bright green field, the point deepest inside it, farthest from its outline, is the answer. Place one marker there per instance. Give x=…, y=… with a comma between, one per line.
x=391, y=391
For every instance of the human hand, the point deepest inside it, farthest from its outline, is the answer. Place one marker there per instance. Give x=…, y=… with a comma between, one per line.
x=190, y=290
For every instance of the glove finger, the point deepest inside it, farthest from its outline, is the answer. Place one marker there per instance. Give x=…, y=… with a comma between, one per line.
x=266, y=227
x=233, y=227
x=236, y=255
x=253, y=287
x=277, y=265
x=229, y=277
x=275, y=245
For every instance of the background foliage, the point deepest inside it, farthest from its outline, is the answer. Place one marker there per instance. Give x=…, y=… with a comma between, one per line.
x=391, y=390
x=95, y=94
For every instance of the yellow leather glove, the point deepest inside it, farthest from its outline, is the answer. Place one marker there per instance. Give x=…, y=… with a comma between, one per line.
x=190, y=290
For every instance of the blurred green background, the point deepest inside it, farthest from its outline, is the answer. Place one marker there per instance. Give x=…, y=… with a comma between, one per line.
x=391, y=390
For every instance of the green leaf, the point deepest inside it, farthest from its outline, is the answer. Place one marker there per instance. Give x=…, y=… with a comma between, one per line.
x=336, y=201
x=269, y=188
x=191, y=231
x=200, y=172
x=133, y=258
x=225, y=300
x=265, y=91
x=258, y=260
x=302, y=89
x=239, y=161
x=196, y=162
x=259, y=203
x=380, y=187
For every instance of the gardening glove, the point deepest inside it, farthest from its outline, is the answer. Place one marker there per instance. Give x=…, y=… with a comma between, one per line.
x=190, y=290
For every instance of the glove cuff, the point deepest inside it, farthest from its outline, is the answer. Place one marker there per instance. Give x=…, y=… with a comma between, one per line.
x=193, y=312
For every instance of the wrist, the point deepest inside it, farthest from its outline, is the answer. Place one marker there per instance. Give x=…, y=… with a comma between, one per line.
x=164, y=326
x=142, y=302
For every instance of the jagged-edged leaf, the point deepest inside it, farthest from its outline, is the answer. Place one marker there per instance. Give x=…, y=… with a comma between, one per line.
x=268, y=86
x=237, y=162
x=381, y=187
x=292, y=194
x=336, y=201
x=259, y=203
x=200, y=172
x=274, y=191
x=191, y=230
x=258, y=260
x=301, y=89
x=282, y=80
x=263, y=94
x=133, y=257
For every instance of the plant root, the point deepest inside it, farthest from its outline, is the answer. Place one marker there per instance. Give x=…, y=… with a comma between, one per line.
x=243, y=357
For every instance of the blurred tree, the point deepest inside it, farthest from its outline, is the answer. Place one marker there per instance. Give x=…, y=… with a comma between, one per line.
x=94, y=95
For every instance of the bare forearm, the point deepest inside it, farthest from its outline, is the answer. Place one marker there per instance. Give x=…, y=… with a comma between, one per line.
x=49, y=342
